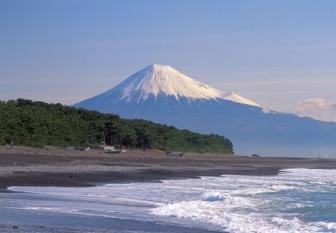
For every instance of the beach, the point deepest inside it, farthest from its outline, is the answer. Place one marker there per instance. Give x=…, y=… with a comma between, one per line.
x=63, y=190
x=60, y=167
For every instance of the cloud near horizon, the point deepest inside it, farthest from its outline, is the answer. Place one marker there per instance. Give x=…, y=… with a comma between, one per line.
x=317, y=108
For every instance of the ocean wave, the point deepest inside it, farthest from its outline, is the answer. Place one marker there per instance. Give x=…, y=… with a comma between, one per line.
x=243, y=204
x=239, y=222
x=295, y=201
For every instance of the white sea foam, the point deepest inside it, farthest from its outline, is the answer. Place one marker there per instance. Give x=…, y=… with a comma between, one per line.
x=213, y=196
x=297, y=200
x=233, y=221
x=242, y=206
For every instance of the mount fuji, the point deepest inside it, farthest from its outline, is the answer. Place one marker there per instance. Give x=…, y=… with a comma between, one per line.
x=162, y=94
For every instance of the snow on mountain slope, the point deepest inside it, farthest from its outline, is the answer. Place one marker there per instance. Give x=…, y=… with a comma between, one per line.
x=162, y=79
x=239, y=99
x=156, y=80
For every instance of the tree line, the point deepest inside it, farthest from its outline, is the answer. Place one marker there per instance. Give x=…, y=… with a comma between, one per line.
x=34, y=123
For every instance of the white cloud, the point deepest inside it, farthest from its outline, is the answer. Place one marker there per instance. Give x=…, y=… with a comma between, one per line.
x=317, y=108
x=314, y=103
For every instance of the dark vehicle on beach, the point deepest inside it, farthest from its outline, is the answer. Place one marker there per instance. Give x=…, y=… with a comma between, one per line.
x=256, y=156
x=82, y=148
x=174, y=154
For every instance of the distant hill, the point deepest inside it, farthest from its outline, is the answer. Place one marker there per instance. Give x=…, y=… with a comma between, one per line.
x=161, y=94
x=37, y=124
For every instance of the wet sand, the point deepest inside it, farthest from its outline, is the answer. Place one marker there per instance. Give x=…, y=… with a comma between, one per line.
x=60, y=167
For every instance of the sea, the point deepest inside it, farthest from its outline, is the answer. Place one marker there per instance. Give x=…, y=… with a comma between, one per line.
x=296, y=200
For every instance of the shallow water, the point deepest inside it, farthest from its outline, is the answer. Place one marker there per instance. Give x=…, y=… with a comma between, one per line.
x=297, y=200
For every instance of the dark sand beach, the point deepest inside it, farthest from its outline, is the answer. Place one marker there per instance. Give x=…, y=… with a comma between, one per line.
x=60, y=167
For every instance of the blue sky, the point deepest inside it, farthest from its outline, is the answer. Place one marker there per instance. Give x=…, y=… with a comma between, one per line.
x=278, y=53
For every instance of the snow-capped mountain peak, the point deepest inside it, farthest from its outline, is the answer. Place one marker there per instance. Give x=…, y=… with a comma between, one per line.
x=161, y=94
x=157, y=79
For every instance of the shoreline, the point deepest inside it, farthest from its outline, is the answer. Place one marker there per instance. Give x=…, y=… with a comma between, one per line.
x=63, y=168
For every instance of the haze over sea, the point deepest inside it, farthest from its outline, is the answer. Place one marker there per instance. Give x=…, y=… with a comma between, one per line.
x=296, y=200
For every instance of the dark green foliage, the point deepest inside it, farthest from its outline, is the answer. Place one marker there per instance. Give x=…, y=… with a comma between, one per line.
x=37, y=124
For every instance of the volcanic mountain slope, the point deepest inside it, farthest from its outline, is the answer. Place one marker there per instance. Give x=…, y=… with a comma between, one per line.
x=162, y=94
